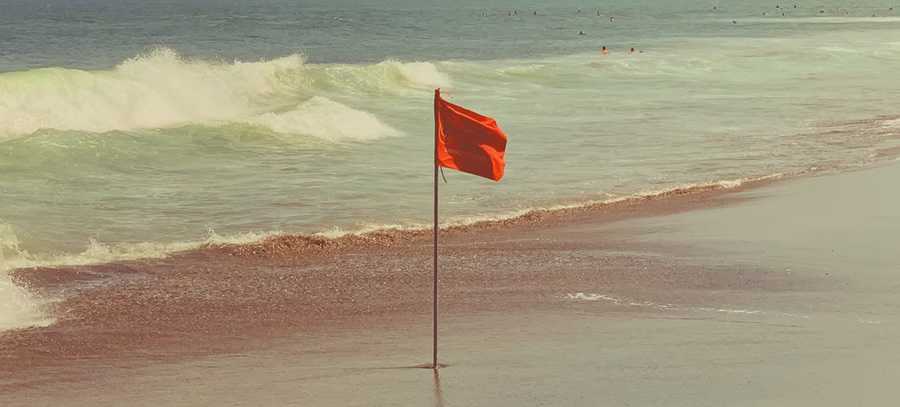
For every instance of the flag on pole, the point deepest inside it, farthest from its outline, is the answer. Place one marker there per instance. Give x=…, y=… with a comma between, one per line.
x=468, y=141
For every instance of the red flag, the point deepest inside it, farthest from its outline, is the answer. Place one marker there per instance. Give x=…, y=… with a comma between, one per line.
x=467, y=141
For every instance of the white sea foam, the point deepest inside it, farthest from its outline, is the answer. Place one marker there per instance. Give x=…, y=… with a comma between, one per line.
x=423, y=74
x=328, y=120
x=621, y=301
x=662, y=307
x=459, y=221
x=20, y=308
x=618, y=301
x=162, y=89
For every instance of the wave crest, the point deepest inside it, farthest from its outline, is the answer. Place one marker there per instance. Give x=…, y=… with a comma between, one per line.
x=162, y=89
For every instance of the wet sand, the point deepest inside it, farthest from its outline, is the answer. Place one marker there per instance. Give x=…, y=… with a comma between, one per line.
x=704, y=298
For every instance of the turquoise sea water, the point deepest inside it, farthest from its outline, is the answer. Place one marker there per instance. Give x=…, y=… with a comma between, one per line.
x=131, y=129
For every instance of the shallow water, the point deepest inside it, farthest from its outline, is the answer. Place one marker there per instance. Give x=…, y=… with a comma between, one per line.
x=150, y=136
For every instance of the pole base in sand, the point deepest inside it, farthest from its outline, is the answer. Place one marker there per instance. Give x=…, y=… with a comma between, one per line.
x=431, y=366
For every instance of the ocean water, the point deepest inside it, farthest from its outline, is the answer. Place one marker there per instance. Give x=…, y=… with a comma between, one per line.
x=132, y=130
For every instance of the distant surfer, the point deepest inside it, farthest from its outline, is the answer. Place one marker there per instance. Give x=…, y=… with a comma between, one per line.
x=612, y=19
x=581, y=33
x=604, y=51
x=631, y=51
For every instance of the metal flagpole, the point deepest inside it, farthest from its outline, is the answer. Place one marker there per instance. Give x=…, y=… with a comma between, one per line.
x=434, y=363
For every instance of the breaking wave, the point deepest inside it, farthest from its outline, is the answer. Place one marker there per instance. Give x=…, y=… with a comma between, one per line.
x=162, y=89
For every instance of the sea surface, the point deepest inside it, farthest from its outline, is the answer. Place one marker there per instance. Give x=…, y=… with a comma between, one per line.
x=133, y=129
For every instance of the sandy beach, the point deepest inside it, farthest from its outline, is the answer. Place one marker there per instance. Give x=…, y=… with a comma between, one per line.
x=643, y=203
x=758, y=295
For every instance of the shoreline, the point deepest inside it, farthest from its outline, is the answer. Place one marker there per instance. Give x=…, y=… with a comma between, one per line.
x=249, y=241
x=236, y=300
x=96, y=295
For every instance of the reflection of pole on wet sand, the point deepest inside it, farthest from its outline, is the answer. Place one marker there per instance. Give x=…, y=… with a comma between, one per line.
x=438, y=394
